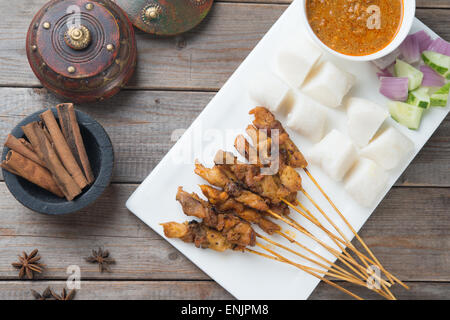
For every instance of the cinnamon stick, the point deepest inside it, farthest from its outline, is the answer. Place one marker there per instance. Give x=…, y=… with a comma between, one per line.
x=62, y=148
x=19, y=165
x=47, y=134
x=46, y=153
x=71, y=130
x=21, y=147
x=26, y=143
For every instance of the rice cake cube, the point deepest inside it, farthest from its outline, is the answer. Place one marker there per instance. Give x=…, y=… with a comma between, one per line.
x=307, y=117
x=294, y=64
x=365, y=182
x=364, y=120
x=335, y=154
x=328, y=84
x=269, y=91
x=388, y=149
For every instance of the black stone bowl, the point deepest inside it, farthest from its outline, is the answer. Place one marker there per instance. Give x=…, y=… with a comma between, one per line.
x=101, y=156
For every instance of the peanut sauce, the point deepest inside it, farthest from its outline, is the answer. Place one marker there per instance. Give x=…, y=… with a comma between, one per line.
x=355, y=27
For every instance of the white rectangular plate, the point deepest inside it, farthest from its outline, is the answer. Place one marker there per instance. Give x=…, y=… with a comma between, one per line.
x=244, y=275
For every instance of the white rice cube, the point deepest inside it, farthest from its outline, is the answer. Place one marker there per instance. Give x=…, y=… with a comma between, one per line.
x=328, y=84
x=269, y=91
x=364, y=120
x=294, y=65
x=307, y=117
x=336, y=154
x=365, y=182
x=389, y=148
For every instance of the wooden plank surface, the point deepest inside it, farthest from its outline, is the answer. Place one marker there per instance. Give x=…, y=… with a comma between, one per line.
x=198, y=290
x=420, y=3
x=176, y=78
x=202, y=59
x=408, y=232
x=140, y=124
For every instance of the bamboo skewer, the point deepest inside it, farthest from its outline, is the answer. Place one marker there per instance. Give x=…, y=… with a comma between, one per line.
x=350, y=259
x=346, y=241
x=314, y=253
x=331, y=272
x=337, y=254
x=391, y=277
x=306, y=269
x=334, y=238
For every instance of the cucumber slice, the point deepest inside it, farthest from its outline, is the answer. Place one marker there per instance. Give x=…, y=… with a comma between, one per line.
x=440, y=97
x=404, y=70
x=420, y=98
x=406, y=114
x=438, y=62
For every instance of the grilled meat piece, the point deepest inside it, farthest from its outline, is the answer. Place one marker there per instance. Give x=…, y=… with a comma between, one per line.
x=226, y=180
x=199, y=234
x=264, y=119
x=224, y=203
x=268, y=186
x=234, y=229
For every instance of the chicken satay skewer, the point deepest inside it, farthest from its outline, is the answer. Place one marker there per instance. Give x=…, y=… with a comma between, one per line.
x=205, y=237
x=222, y=201
x=192, y=205
x=285, y=171
x=264, y=119
x=220, y=178
x=376, y=261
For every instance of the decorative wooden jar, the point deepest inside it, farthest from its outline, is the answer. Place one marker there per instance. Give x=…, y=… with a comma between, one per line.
x=166, y=17
x=82, y=50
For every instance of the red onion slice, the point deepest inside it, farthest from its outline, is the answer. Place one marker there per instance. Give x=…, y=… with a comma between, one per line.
x=394, y=88
x=440, y=46
x=431, y=78
x=385, y=62
x=410, y=49
x=384, y=73
x=424, y=40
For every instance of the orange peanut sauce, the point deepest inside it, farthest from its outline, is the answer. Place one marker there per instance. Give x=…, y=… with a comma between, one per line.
x=355, y=27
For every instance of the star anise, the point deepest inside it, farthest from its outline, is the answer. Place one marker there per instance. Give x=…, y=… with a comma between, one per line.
x=102, y=258
x=46, y=295
x=29, y=264
x=64, y=295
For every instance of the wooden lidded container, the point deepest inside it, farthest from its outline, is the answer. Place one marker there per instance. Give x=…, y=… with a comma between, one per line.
x=82, y=50
x=166, y=17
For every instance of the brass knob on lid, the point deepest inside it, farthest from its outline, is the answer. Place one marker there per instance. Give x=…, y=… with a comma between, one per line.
x=78, y=37
x=151, y=13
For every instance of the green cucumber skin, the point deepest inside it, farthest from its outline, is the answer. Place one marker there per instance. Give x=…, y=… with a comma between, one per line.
x=440, y=97
x=404, y=69
x=412, y=125
x=439, y=100
x=423, y=105
x=416, y=98
x=439, y=69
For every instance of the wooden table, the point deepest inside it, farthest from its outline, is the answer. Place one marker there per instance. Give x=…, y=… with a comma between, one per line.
x=175, y=79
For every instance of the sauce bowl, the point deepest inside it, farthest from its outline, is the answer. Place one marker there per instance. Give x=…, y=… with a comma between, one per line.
x=409, y=10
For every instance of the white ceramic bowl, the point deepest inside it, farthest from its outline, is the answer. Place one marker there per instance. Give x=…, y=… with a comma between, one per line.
x=409, y=10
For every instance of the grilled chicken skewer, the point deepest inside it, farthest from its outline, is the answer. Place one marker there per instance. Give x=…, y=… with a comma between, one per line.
x=234, y=229
x=264, y=119
x=206, y=237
